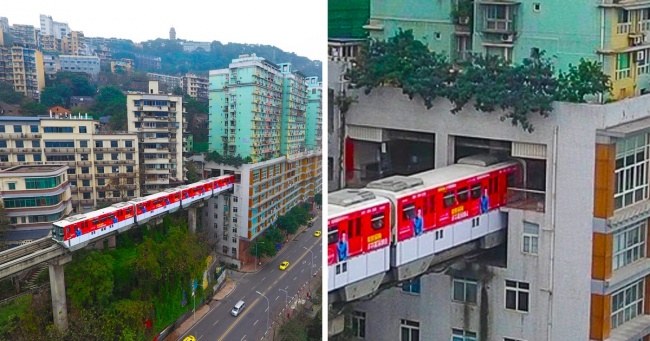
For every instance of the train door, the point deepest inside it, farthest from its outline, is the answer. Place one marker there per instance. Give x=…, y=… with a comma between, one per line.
x=405, y=215
x=354, y=235
x=332, y=240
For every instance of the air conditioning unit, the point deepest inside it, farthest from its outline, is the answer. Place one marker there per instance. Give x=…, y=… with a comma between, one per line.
x=507, y=38
x=638, y=40
x=640, y=56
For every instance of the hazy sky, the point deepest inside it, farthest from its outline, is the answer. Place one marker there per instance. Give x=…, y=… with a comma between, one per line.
x=297, y=26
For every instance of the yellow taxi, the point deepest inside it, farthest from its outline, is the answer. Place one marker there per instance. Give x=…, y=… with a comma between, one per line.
x=317, y=233
x=284, y=265
x=189, y=338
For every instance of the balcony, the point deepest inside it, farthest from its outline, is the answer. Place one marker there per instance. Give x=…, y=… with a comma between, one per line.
x=84, y=163
x=526, y=199
x=83, y=150
x=84, y=176
x=59, y=150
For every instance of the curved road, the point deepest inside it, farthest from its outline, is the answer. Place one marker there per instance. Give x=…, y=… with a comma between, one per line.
x=251, y=324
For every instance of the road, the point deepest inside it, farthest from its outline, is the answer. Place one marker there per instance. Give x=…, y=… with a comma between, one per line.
x=251, y=324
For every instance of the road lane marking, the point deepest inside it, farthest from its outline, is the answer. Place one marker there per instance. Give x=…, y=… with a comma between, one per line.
x=243, y=337
x=256, y=322
x=295, y=278
x=277, y=298
x=267, y=309
x=263, y=279
x=233, y=325
x=302, y=270
x=199, y=338
x=215, y=322
x=286, y=288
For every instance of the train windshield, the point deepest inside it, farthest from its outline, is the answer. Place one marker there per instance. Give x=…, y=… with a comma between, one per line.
x=57, y=233
x=378, y=221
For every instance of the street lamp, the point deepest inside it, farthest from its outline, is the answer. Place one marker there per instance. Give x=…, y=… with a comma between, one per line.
x=268, y=309
x=286, y=297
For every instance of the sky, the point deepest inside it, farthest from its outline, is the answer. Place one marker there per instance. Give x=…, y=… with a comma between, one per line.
x=298, y=26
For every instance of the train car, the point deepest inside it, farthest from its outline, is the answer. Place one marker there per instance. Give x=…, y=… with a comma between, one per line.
x=358, y=239
x=446, y=207
x=195, y=192
x=75, y=232
x=222, y=183
x=155, y=205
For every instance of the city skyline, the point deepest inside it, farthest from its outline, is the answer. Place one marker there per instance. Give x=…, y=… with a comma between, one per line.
x=280, y=25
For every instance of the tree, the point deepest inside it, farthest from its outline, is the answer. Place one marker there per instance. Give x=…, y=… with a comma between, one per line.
x=8, y=95
x=287, y=223
x=33, y=108
x=58, y=94
x=192, y=173
x=293, y=330
x=584, y=80
x=110, y=101
x=90, y=281
x=318, y=199
x=256, y=249
x=274, y=235
x=78, y=84
x=5, y=222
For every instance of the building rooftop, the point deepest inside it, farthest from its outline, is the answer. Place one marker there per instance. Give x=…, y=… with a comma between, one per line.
x=33, y=169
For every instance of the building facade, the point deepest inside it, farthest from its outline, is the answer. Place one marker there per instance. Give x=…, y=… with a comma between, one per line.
x=34, y=197
x=612, y=32
x=80, y=64
x=23, y=68
x=191, y=46
x=158, y=120
x=294, y=106
x=196, y=86
x=102, y=167
x=74, y=44
x=169, y=82
x=53, y=28
x=314, y=114
x=571, y=268
x=24, y=35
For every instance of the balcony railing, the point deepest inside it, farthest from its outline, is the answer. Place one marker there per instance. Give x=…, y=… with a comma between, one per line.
x=526, y=199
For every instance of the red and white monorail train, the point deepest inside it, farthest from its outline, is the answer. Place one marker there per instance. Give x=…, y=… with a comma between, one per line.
x=75, y=232
x=447, y=201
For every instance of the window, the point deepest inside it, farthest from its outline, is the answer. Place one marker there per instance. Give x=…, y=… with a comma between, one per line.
x=631, y=171
x=86, y=195
x=100, y=169
x=377, y=221
x=476, y=191
x=129, y=156
x=462, y=335
x=623, y=66
x=20, y=144
x=2, y=128
x=116, y=169
x=330, y=169
x=498, y=18
x=37, y=158
x=412, y=286
x=21, y=157
x=113, y=144
x=234, y=251
x=85, y=170
x=83, y=144
x=629, y=244
x=216, y=216
x=101, y=182
x=99, y=157
x=356, y=322
x=18, y=129
x=517, y=295
x=530, y=238
x=408, y=211
x=130, y=193
x=36, y=144
x=3, y=144
x=116, y=194
x=99, y=144
x=449, y=199
x=114, y=156
x=234, y=199
x=463, y=195
x=410, y=330
x=627, y=303
x=464, y=290
x=101, y=194
x=85, y=183
x=128, y=144
x=12, y=186
x=82, y=130
x=129, y=169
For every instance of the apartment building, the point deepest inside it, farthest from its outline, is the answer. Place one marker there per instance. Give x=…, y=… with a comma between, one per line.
x=74, y=44
x=258, y=109
x=196, y=86
x=612, y=32
x=50, y=43
x=314, y=114
x=80, y=64
x=165, y=81
x=191, y=46
x=147, y=62
x=53, y=28
x=294, y=106
x=33, y=197
x=264, y=191
x=23, y=68
x=102, y=168
x=158, y=120
x=24, y=35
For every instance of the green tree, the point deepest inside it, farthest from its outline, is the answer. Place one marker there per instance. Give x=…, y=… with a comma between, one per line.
x=293, y=330
x=58, y=94
x=90, y=280
x=287, y=223
x=274, y=235
x=79, y=84
x=30, y=108
x=318, y=199
x=110, y=101
x=192, y=173
x=8, y=95
x=5, y=222
x=586, y=79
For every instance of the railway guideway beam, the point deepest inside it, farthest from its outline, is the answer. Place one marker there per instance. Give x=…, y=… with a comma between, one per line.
x=57, y=287
x=191, y=219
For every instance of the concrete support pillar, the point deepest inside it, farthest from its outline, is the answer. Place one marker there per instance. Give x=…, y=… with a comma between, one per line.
x=57, y=287
x=112, y=242
x=191, y=219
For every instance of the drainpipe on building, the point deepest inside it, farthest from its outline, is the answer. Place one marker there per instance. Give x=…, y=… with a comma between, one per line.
x=551, y=266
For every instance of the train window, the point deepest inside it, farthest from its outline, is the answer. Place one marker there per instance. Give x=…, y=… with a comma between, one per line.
x=512, y=180
x=377, y=221
x=463, y=194
x=333, y=236
x=449, y=199
x=358, y=227
x=496, y=185
x=350, y=229
x=408, y=212
x=476, y=191
x=95, y=221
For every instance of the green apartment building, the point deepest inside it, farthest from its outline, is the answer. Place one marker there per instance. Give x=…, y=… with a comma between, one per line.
x=314, y=131
x=294, y=107
x=610, y=31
